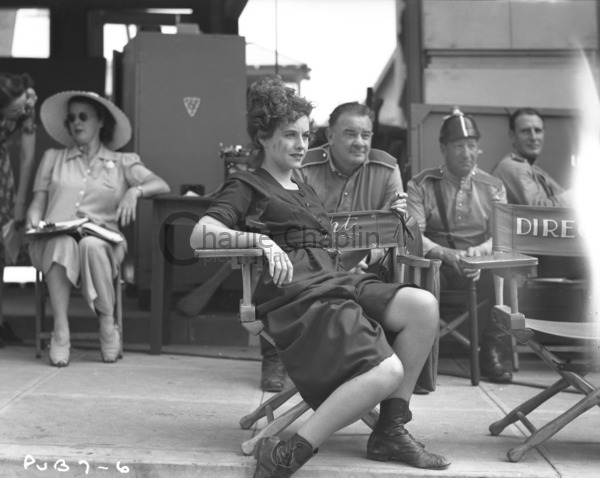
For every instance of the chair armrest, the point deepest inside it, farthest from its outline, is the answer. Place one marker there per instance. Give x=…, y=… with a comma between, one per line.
x=503, y=260
x=416, y=261
x=512, y=323
x=214, y=253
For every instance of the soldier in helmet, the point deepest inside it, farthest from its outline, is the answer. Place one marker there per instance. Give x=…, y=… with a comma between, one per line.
x=453, y=206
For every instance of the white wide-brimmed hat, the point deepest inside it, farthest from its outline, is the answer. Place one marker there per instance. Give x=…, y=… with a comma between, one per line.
x=55, y=109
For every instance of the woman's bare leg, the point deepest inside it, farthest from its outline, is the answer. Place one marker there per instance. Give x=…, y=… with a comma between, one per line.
x=59, y=288
x=352, y=400
x=414, y=314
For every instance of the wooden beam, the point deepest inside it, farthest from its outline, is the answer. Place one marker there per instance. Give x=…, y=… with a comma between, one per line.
x=7, y=31
x=412, y=44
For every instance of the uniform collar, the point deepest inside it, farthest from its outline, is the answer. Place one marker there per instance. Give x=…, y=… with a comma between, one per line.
x=457, y=179
x=518, y=158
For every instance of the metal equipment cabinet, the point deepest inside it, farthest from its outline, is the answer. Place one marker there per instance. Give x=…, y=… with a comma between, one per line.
x=185, y=95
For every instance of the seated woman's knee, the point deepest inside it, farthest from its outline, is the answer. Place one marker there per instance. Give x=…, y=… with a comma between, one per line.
x=392, y=370
x=430, y=307
x=93, y=245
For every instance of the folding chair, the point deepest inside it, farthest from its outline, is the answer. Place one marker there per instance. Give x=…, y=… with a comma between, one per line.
x=41, y=334
x=517, y=231
x=354, y=231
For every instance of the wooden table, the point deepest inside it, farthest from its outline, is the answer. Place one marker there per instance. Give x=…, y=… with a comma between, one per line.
x=165, y=211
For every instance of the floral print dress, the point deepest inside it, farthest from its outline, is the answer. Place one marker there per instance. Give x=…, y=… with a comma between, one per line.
x=25, y=125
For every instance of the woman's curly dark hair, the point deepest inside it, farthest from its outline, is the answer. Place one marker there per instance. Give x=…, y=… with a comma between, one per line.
x=272, y=104
x=108, y=128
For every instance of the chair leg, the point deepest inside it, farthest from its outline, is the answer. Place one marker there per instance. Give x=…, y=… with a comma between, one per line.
x=527, y=407
x=551, y=428
x=268, y=407
x=119, y=309
x=276, y=426
x=371, y=418
x=514, y=354
x=474, y=338
x=40, y=300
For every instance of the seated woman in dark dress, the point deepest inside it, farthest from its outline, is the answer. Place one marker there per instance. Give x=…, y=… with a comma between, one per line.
x=329, y=325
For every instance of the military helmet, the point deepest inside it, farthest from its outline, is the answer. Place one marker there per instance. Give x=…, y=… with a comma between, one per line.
x=458, y=126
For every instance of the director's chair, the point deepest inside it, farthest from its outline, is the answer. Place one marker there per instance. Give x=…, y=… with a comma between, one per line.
x=354, y=232
x=518, y=231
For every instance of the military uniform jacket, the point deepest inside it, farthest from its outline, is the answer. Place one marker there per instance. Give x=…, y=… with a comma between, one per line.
x=371, y=186
x=529, y=184
x=468, y=203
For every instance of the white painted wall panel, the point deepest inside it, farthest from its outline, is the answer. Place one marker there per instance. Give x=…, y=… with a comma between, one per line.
x=497, y=87
x=466, y=24
x=554, y=24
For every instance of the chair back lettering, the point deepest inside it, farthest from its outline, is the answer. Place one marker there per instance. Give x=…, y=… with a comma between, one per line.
x=374, y=229
x=537, y=230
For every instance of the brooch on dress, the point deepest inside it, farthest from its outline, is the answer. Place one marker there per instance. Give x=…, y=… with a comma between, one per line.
x=110, y=164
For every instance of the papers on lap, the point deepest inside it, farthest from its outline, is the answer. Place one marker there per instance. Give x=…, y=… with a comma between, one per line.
x=81, y=227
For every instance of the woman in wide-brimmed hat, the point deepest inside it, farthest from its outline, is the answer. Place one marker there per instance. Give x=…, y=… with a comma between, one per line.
x=86, y=179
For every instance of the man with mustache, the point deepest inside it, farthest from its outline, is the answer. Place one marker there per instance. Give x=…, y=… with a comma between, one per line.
x=525, y=182
x=453, y=206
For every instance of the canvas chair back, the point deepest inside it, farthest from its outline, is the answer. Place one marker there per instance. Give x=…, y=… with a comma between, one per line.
x=549, y=231
x=366, y=230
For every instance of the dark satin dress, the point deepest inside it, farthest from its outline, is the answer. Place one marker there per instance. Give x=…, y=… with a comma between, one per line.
x=325, y=322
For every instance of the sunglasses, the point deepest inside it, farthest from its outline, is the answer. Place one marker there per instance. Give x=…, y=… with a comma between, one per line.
x=72, y=117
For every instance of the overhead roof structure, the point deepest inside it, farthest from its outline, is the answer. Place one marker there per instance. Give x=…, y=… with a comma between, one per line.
x=76, y=25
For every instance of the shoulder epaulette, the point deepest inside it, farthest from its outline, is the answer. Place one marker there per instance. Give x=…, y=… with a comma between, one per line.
x=431, y=173
x=315, y=156
x=483, y=177
x=381, y=157
x=516, y=158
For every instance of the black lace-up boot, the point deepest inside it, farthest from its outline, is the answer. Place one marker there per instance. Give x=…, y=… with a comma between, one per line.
x=391, y=441
x=490, y=360
x=279, y=459
x=272, y=378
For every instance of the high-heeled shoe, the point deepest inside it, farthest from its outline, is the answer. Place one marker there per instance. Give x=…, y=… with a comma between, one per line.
x=110, y=350
x=59, y=354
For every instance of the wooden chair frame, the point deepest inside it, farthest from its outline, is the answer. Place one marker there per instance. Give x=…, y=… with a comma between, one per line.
x=511, y=265
x=40, y=314
x=452, y=298
x=408, y=268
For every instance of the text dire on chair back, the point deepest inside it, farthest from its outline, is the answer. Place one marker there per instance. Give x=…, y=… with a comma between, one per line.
x=536, y=230
x=520, y=230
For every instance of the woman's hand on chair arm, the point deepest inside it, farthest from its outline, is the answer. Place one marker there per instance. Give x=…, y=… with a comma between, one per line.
x=211, y=233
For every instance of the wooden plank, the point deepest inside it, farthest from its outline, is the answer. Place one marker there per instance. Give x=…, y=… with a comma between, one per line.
x=538, y=88
x=466, y=24
x=550, y=25
x=498, y=261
